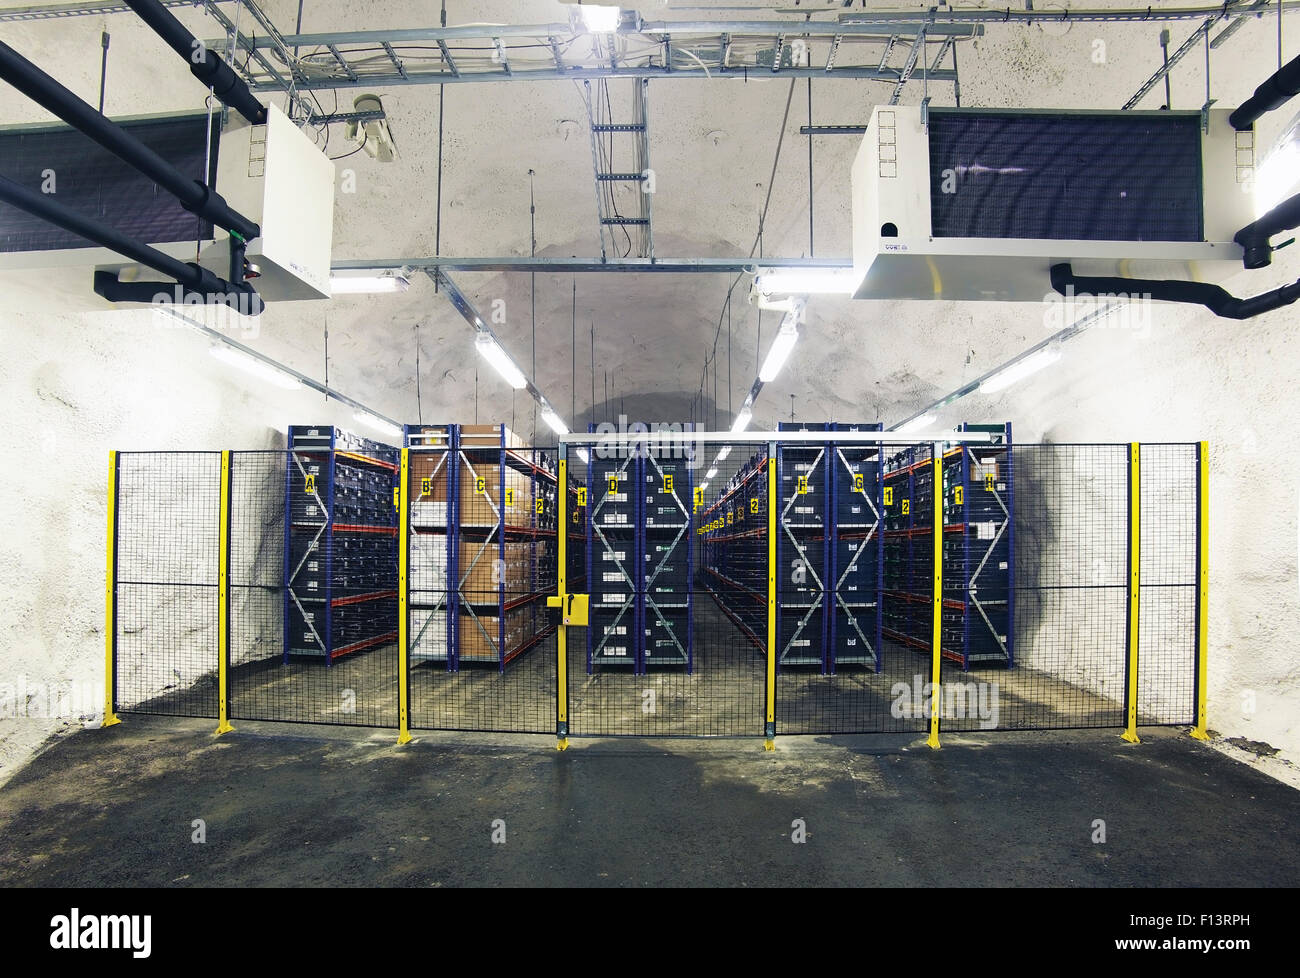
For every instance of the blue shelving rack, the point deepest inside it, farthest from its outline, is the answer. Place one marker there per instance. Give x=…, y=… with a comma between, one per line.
x=804, y=520
x=857, y=553
x=612, y=559
x=431, y=513
x=734, y=564
x=340, y=544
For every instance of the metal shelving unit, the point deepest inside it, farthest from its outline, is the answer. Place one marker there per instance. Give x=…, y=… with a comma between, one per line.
x=857, y=554
x=612, y=560
x=340, y=544
x=734, y=564
x=803, y=551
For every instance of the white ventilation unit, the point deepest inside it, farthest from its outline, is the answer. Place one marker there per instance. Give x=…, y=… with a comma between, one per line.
x=979, y=204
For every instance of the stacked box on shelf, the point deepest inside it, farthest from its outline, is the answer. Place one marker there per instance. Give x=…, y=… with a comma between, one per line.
x=856, y=551
x=612, y=558
x=803, y=516
x=665, y=544
x=340, y=543
x=733, y=529
x=978, y=585
x=503, y=511
x=430, y=471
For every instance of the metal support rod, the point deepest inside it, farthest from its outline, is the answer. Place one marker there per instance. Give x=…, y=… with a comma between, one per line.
x=1199, y=731
x=194, y=196
x=1134, y=591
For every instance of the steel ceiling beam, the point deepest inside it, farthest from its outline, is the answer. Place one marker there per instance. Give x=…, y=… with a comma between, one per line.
x=567, y=265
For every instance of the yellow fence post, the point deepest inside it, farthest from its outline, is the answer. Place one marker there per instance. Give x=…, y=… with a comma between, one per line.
x=1202, y=586
x=936, y=626
x=561, y=588
x=223, y=602
x=1134, y=589
x=403, y=614
x=769, y=726
x=110, y=599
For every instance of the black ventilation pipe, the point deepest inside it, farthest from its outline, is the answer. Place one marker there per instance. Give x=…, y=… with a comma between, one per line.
x=1277, y=90
x=1254, y=237
x=194, y=195
x=1217, y=300
x=213, y=72
x=197, y=281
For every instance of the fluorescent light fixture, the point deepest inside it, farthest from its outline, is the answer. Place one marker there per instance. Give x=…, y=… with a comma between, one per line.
x=364, y=282
x=1004, y=378
x=805, y=281
x=703, y=486
x=1278, y=173
x=491, y=351
x=742, y=419
x=255, y=367
x=723, y=453
x=780, y=349
x=377, y=423
x=599, y=19
x=583, y=454
x=916, y=424
x=553, y=422
x=711, y=473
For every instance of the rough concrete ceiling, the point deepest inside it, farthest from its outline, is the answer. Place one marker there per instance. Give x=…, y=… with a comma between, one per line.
x=712, y=148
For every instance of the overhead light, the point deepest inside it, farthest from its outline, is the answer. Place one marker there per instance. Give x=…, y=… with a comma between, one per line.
x=805, y=281
x=491, y=351
x=599, y=19
x=367, y=283
x=1021, y=369
x=703, y=486
x=780, y=350
x=723, y=453
x=1278, y=173
x=916, y=424
x=255, y=367
x=711, y=473
x=742, y=419
x=583, y=454
x=553, y=422
x=377, y=423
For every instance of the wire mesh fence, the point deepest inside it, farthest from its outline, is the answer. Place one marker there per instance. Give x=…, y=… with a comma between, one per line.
x=167, y=526
x=711, y=569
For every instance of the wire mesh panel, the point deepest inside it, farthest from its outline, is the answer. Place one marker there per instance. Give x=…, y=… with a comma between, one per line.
x=313, y=581
x=483, y=556
x=837, y=672
x=1167, y=608
x=675, y=556
x=167, y=526
x=1069, y=596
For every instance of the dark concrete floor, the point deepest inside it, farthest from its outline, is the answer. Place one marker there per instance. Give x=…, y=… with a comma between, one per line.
x=334, y=807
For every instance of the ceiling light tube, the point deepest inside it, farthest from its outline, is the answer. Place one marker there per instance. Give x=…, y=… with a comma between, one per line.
x=711, y=473
x=780, y=349
x=742, y=419
x=805, y=281
x=255, y=367
x=366, y=283
x=553, y=422
x=491, y=351
x=1278, y=175
x=1020, y=369
x=598, y=18
x=723, y=453
x=916, y=424
x=377, y=423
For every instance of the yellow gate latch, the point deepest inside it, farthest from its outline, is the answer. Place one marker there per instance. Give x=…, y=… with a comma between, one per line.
x=574, y=605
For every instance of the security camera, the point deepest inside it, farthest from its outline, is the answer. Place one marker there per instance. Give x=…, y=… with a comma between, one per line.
x=373, y=135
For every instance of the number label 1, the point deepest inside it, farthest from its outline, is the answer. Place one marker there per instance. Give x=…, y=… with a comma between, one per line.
x=957, y=495
x=699, y=498
x=889, y=495
x=510, y=497
x=582, y=496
